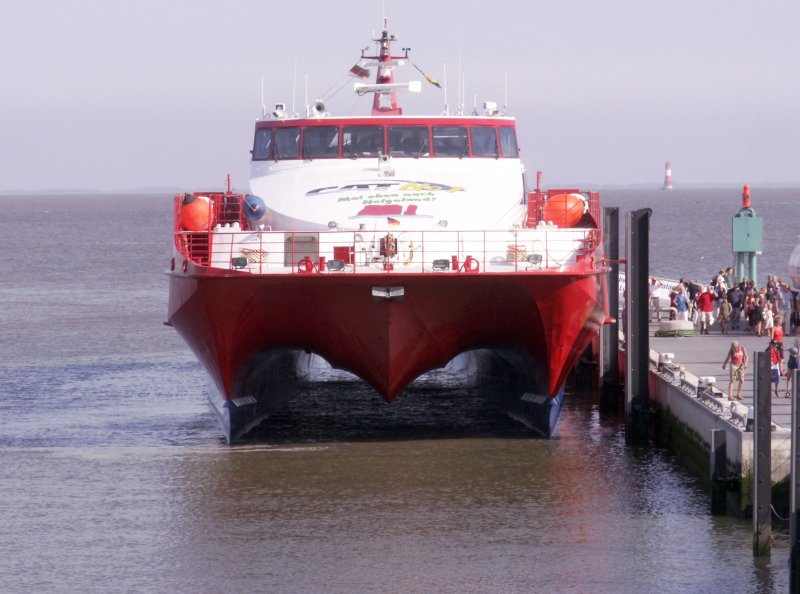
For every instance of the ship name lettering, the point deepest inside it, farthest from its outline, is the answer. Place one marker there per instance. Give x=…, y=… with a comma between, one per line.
x=426, y=186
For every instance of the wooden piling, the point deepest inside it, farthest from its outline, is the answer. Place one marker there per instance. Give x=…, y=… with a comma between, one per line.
x=609, y=380
x=762, y=457
x=637, y=339
x=794, y=492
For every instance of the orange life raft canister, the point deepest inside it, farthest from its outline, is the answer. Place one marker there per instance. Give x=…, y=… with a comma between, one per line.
x=195, y=213
x=564, y=210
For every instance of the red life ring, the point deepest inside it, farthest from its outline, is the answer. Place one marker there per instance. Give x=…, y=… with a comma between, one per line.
x=471, y=265
x=305, y=266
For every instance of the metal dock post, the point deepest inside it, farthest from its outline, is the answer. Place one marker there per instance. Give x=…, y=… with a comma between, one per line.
x=762, y=457
x=637, y=339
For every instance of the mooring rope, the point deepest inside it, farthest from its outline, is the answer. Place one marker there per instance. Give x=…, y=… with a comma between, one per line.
x=777, y=515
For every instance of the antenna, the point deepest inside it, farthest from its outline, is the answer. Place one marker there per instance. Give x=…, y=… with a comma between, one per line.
x=306, y=94
x=463, y=92
x=444, y=78
x=263, y=106
x=505, y=93
x=459, y=104
x=294, y=82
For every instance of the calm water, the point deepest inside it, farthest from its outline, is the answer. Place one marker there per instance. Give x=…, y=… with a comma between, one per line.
x=114, y=477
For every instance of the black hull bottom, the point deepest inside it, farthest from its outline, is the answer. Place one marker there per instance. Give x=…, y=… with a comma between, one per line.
x=508, y=379
x=273, y=378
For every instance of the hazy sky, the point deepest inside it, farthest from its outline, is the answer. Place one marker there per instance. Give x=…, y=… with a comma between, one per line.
x=158, y=93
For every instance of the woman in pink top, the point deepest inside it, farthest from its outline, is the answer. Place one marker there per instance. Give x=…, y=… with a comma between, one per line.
x=737, y=357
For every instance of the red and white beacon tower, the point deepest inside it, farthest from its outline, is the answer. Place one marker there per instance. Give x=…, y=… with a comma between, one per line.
x=668, y=177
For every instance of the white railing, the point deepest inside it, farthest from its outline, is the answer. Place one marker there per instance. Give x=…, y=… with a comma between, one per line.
x=270, y=252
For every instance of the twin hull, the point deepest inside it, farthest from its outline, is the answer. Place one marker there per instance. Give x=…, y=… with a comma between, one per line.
x=247, y=330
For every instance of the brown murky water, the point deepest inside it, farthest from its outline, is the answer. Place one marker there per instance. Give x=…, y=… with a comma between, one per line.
x=114, y=477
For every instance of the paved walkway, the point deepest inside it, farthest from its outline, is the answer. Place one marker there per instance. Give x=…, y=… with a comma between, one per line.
x=703, y=355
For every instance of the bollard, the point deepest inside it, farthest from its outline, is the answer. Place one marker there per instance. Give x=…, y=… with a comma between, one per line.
x=719, y=472
x=762, y=457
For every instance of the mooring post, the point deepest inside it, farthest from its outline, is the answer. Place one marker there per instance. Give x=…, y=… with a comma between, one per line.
x=762, y=457
x=609, y=334
x=794, y=491
x=719, y=472
x=637, y=338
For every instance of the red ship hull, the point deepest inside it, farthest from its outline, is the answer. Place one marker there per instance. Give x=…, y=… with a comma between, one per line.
x=242, y=326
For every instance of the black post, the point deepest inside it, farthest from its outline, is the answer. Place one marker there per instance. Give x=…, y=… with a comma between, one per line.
x=762, y=457
x=794, y=492
x=719, y=471
x=609, y=338
x=637, y=339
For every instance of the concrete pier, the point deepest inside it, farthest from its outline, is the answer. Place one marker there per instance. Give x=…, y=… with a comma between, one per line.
x=690, y=411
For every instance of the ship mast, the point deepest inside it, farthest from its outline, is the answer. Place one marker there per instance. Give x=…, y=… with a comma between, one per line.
x=386, y=63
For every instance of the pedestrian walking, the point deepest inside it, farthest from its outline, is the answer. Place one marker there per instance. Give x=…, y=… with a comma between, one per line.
x=737, y=357
x=725, y=311
x=775, y=365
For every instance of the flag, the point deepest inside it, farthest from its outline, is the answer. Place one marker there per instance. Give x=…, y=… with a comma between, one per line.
x=433, y=81
x=430, y=79
x=392, y=222
x=360, y=71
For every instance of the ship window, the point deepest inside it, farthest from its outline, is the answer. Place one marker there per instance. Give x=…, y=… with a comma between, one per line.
x=484, y=141
x=450, y=141
x=362, y=141
x=508, y=142
x=262, y=147
x=287, y=143
x=321, y=142
x=409, y=141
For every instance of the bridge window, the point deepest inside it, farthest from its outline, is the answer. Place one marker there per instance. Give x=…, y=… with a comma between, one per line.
x=287, y=143
x=484, y=141
x=508, y=142
x=321, y=142
x=409, y=141
x=450, y=141
x=362, y=141
x=262, y=147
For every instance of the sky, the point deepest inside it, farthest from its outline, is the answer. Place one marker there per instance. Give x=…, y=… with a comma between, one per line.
x=112, y=95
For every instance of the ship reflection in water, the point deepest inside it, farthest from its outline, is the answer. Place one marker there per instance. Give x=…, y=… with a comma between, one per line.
x=373, y=505
x=437, y=492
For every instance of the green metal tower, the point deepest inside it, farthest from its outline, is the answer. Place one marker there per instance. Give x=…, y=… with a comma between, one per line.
x=748, y=237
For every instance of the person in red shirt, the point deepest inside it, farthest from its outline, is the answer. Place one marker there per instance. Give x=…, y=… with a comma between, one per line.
x=777, y=334
x=776, y=365
x=705, y=305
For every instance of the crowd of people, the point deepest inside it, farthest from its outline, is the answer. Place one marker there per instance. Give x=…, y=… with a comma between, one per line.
x=772, y=311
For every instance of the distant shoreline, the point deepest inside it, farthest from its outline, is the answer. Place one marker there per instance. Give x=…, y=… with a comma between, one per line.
x=557, y=184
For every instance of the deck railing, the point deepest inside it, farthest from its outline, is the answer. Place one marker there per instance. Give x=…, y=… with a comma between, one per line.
x=269, y=252
x=228, y=243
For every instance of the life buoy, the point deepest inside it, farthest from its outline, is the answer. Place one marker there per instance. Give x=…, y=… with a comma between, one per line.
x=471, y=265
x=305, y=266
